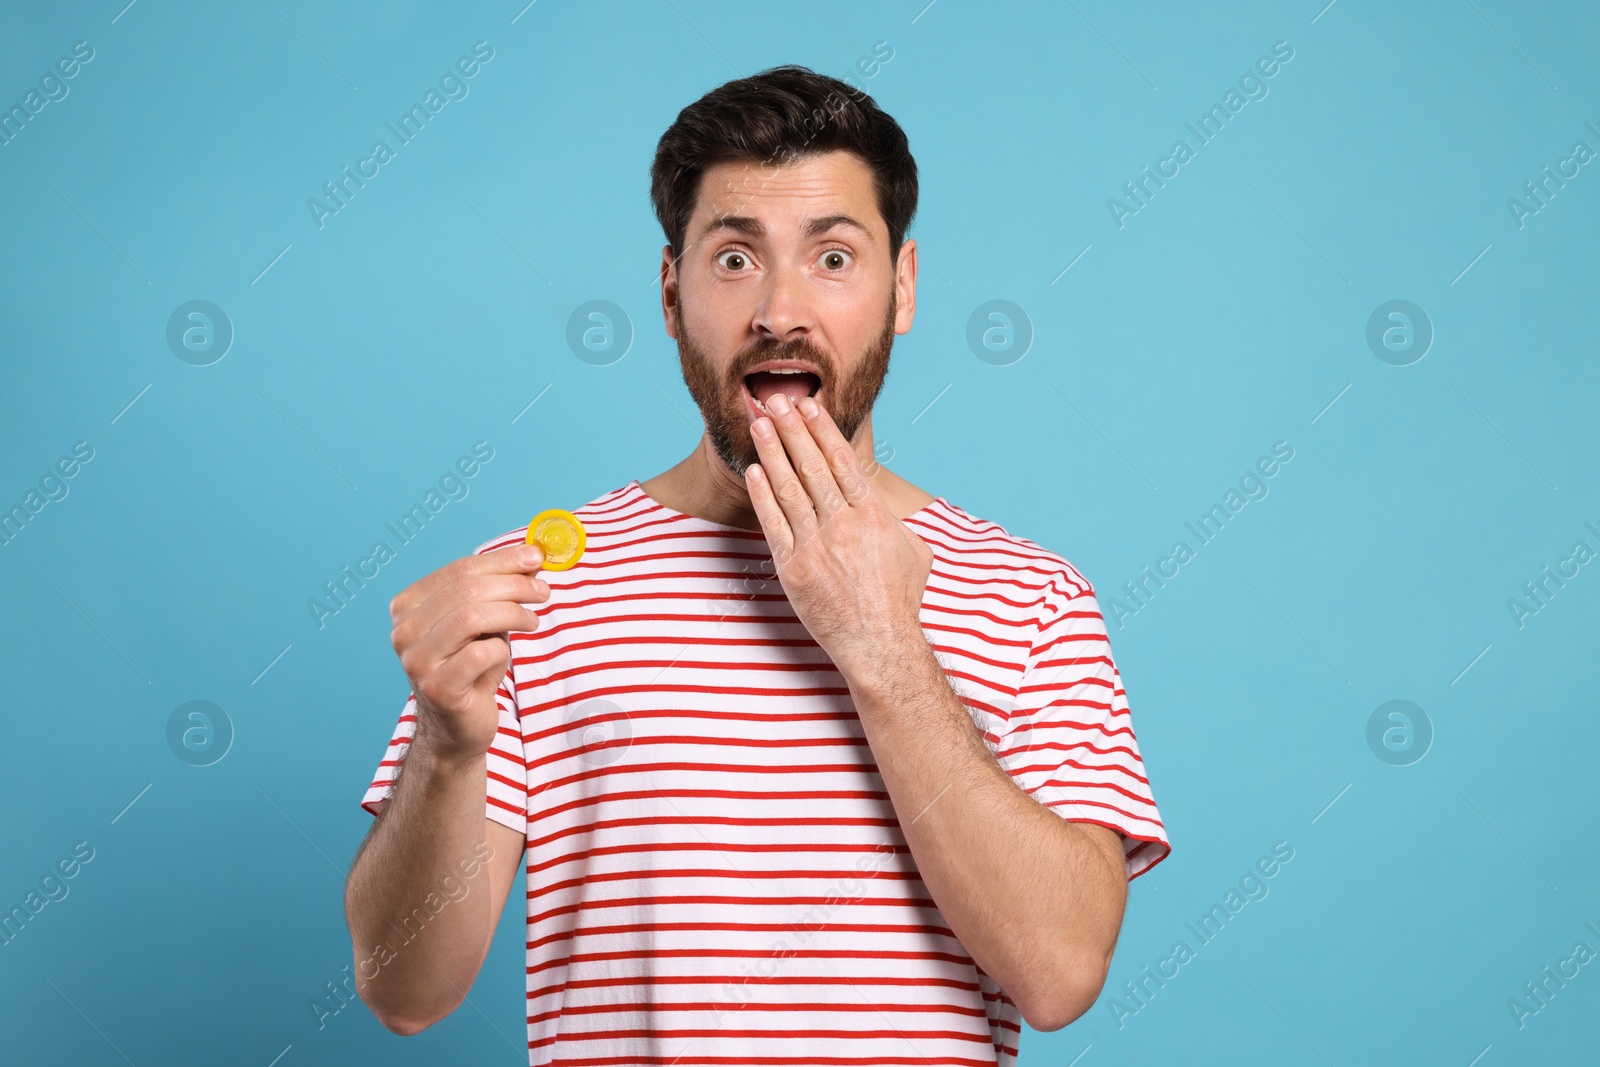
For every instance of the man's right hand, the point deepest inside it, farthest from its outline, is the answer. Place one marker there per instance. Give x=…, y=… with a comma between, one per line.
x=452, y=633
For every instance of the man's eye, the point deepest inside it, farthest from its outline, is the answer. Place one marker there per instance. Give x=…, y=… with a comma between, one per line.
x=835, y=259
x=732, y=260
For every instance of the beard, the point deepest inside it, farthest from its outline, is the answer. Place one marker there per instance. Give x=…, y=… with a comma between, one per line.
x=720, y=397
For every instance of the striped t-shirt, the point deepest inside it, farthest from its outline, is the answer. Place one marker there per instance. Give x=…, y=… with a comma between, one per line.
x=715, y=873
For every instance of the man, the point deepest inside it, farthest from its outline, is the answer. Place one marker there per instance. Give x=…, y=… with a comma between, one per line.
x=810, y=765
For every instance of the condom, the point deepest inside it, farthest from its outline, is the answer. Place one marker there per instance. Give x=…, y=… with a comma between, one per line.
x=561, y=536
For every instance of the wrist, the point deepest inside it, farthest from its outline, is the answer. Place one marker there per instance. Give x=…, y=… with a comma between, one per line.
x=890, y=666
x=436, y=757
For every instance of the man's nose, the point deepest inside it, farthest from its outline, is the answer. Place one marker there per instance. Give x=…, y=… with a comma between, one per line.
x=784, y=311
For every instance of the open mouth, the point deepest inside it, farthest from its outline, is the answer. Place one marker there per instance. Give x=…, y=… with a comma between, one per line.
x=794, y=383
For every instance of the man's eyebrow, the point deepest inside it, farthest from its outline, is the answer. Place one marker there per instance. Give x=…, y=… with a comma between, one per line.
x=753, y=227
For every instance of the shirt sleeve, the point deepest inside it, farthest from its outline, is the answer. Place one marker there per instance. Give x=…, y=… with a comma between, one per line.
x=506, y=796
x=1068, y=738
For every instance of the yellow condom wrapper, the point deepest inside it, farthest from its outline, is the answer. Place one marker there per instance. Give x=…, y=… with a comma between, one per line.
x=561, y=536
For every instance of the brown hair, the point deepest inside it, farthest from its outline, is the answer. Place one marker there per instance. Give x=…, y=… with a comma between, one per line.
x=777, y=117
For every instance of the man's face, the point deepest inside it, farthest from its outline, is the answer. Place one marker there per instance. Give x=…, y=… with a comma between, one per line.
x=786, y=263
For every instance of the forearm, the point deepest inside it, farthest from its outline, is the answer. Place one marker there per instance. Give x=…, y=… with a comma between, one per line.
x=1033, y=900
x=418, y=896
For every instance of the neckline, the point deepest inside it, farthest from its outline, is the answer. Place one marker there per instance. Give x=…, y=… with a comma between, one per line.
x=638, y=488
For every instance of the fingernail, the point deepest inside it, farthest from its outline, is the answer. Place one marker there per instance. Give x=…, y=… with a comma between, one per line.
x=809, y=407
x=778, y=404
x=762, y=427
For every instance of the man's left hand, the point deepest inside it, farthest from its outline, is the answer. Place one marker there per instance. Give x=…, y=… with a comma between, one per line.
x=854, y=573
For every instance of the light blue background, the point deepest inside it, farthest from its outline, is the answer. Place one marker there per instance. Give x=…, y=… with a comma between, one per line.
x=1228, y=314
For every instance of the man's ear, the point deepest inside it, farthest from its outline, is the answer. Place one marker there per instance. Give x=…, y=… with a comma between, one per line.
x=905, y=287
x=669, y=291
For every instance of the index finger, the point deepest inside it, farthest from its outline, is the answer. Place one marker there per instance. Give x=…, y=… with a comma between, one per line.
x=512, y=559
